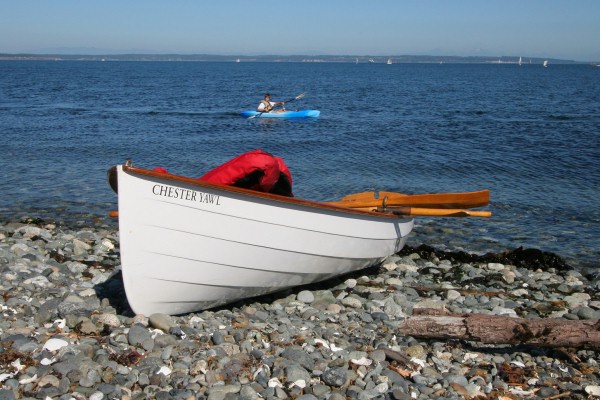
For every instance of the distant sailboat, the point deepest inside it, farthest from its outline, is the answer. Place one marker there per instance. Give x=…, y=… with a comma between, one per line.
x=520, y=61
x=545, y=63
x=389, y=61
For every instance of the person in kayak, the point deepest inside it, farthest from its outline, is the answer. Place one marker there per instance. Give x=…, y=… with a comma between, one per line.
x=266, y=105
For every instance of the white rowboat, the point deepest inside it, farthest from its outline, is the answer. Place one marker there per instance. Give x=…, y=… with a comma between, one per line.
x=188, y=245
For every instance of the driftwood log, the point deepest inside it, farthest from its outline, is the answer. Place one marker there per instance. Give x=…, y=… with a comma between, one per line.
x=494, y=329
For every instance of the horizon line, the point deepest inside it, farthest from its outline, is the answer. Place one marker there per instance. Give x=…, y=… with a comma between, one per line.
x=310, y=57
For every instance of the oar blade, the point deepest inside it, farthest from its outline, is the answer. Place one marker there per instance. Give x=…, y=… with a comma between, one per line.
x=440, y=200
x=362, y=196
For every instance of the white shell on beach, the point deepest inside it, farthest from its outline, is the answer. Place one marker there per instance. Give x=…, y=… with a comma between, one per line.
x=301, y=383
x=47, y=361
x=362, y=361
x=593, y=390
x=54, y=344
x=274, y=382
x=418, y=361
x=25, y=381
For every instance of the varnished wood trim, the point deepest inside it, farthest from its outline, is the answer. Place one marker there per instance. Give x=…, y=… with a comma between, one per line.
x=256, y=194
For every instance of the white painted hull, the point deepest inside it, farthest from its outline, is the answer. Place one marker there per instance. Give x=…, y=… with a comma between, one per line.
x=188, y=245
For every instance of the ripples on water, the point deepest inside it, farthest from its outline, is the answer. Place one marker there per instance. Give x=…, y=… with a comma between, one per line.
x=529, y=134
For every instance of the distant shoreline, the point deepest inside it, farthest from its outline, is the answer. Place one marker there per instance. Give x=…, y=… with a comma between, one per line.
x=400, y=59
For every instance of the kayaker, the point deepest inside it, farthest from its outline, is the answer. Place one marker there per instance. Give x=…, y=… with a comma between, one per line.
x=266, y=105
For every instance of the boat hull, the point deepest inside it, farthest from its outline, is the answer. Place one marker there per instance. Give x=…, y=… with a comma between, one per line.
x=284, y=114
x=188, y=245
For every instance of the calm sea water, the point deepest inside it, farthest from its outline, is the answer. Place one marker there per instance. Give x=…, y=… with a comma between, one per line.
x=529, y=134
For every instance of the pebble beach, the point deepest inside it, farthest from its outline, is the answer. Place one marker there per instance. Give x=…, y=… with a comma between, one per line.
x=67, y=331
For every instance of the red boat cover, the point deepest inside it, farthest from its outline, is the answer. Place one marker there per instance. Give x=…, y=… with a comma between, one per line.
x=256, y=170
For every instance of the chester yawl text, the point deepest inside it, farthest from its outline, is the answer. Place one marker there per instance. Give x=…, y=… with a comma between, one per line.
x=185, y=194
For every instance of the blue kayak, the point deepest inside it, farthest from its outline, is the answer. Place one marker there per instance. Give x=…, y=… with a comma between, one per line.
x=282, y=114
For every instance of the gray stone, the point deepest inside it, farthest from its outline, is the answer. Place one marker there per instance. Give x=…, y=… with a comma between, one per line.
x=335, y=376
x=306, y=296
x=77, y=306
x=137, y=335
x=247, y=392
x=458, y=379
x=163, y=322
x=299, y=356
x=6, y=394
x=588, y=313
x=295, y=373
x=218, y=338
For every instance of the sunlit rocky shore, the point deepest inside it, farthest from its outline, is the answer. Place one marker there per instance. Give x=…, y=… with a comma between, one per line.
x=67, y=331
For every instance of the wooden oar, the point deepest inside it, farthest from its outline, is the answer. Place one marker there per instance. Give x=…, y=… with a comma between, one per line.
x=431, y=212
x=434, y=200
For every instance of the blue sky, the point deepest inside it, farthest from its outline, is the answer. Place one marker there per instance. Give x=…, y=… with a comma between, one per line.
x=568, y=29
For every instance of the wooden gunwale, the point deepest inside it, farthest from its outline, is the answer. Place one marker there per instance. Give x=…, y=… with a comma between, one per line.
x=261, y=195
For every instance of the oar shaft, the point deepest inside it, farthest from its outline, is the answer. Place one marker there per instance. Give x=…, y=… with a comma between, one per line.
x=431, y=212
x=435, y=200
x=439, y=212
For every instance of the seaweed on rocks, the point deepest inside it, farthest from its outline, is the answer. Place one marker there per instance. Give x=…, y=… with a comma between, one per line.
x=8, y=355
x=520, y=257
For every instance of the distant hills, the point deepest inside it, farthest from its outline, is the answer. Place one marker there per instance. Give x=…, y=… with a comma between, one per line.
x=400, y=59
